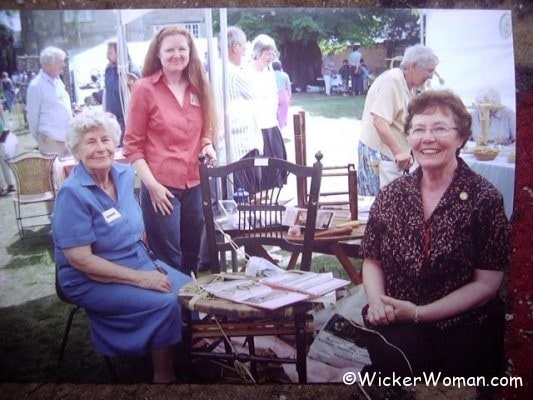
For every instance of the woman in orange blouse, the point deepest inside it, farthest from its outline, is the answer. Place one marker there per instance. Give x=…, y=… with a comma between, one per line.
x=171, y=120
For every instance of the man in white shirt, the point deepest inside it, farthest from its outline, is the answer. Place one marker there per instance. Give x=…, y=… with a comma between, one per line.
x=48, y=105
x=245, y=137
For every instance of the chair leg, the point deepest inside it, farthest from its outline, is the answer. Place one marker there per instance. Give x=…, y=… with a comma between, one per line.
x=301, y=347
x=251, y=350
x=187, y=339
x=67, y=332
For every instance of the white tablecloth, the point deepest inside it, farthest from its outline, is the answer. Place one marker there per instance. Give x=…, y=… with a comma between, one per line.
x=499, y=172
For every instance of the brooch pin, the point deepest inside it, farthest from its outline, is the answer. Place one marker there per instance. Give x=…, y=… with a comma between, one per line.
x=463, y=196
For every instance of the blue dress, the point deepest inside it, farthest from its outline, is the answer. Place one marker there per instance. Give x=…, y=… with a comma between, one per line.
x=124, y=319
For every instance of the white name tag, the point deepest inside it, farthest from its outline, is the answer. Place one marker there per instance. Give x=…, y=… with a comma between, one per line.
x=194, y=100
x=261, y=162
x=111, y=215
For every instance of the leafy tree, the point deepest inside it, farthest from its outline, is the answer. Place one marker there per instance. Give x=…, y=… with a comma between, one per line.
x=7, y=55
x=303, y=34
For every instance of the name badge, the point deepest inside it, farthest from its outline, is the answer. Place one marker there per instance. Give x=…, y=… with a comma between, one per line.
x=111, y=215
x=194, y=100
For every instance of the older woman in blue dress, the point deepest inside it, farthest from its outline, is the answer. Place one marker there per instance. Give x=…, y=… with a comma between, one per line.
x=103, y=266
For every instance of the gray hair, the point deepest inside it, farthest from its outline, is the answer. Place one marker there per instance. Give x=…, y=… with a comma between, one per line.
x=488, y=95
x=420, y=55
x=262, y=43
x=235, y=36
x=51, y=54
x=89, y=120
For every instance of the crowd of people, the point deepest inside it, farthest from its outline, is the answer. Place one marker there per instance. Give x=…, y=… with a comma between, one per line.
x=435, y=247
x=351, y=78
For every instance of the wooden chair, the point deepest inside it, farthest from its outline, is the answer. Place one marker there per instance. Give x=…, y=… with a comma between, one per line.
x=257, y=221
x=33, y=173
x=338, y=193
x=339, y=183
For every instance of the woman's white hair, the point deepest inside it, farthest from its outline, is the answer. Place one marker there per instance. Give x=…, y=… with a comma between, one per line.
x=88, y=121
x=420, y=55
x=488, y=95
x=50, y=55
x=262, y=43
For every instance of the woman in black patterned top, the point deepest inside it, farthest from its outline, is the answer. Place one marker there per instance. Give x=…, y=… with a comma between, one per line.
x=435, y=248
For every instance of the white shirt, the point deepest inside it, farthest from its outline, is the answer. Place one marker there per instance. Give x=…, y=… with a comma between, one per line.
x=245, y=135
x=48, y=107
x=266, y=95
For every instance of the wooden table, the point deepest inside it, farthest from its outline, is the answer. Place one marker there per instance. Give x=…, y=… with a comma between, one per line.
x=500, y=172
x=236, y=319
x=343, y=245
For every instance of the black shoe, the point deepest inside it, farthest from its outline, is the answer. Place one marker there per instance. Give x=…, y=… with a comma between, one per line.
x=10, y=188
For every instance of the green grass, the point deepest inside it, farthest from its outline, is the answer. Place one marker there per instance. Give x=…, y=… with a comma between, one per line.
x=335, y=106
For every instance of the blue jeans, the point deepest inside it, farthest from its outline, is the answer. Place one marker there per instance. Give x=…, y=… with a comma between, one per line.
x=175, y=238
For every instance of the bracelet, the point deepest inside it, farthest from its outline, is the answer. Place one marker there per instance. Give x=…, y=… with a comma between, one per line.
x=416, y=320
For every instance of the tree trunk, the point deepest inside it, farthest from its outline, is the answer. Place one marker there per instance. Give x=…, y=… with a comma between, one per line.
x=303, y=63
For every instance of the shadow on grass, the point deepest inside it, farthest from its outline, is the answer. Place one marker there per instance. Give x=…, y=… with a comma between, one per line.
x=31, y=335
x=34, y=249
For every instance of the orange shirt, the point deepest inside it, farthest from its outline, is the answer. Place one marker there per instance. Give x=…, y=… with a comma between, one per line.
x=164, y=133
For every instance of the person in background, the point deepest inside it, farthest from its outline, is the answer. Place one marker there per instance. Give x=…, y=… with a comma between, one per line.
x=244, y=134
x=364, y=75
x=266, y=95
x=344, y=72
x=8, y=88
x=354, y=60
x=171, y=121
x=112, y=98
x=7, y=184
x=284, y=93
x=48, y=105
x=328, y=70
x=435, y=249
x=130, y=297
x=383, y=150
x=502, y=120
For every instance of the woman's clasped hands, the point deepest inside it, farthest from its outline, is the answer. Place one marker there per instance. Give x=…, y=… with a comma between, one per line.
x=387, y=310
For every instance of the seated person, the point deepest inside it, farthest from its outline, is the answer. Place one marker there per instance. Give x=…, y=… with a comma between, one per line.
x=435, y=248
x=103, y=266
x=502, y=120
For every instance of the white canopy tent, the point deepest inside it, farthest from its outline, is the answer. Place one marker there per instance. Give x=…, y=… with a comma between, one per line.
x=475, y=48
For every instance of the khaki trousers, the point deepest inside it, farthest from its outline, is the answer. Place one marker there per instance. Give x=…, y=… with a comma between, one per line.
x=49, y=145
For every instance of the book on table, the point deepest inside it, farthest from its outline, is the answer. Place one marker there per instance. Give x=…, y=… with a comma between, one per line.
x=275, y=289
x=253, y=293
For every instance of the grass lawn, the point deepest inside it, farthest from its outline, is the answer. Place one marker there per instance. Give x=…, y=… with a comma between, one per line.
x=335, y=106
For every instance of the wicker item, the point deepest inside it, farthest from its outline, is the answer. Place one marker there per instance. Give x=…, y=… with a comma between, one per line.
x=485, y=153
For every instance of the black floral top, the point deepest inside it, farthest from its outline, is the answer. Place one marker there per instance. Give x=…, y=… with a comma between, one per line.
x=423, y=261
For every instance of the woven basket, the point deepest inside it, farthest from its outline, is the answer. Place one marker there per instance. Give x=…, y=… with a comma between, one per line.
x=486, y=154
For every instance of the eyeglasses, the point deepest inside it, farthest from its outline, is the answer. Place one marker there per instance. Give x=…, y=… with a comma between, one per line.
x=438, y=131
